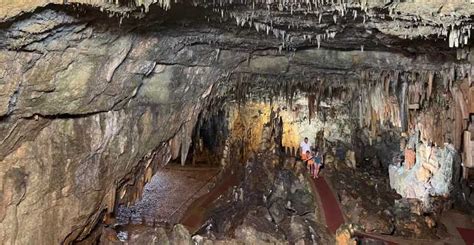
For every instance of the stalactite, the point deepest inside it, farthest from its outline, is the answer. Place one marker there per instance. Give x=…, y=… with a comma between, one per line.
x=430, y=84
x=386, y=82
x=404, y=106
x=311, y=108
x=185, y=142
x=361, y=111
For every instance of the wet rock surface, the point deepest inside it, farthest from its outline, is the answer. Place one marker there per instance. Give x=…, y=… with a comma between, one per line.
x=168, y=194
x=91, y=130
x=91, y=104
x=369, y=203
x=273, y=203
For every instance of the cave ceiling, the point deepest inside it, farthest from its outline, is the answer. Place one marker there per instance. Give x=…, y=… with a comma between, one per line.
x=409, y=27
x=332, y=41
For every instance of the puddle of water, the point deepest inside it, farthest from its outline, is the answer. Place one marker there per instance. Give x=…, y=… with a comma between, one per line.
x=167, y=196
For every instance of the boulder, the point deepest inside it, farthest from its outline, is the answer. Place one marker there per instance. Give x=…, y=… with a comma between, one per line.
x=423, y=175
x=109, y=237
x=329, y=159
x=351, y=159
x=180, y=236
x=162, y=237
x=375, y=223
x=282, y=184
x=278, y=210
x=295, y=228
x=471, y=199
x=249, y=235
x=302, y=201
x=430, y=222
x=150, y=237
x=344, y=236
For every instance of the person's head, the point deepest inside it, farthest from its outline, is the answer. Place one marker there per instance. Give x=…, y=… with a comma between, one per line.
x=308, y=152
x=305, y=139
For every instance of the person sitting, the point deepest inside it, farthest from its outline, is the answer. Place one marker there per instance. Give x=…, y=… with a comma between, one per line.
x=304, y=147
x=308, y=159
x=318, y=162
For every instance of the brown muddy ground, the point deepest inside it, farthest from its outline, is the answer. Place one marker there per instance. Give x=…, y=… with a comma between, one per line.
x=169, y=193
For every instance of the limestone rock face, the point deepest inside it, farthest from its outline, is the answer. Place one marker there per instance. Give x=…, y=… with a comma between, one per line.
x=89, y=107
x=85, y=113
x=420, y=181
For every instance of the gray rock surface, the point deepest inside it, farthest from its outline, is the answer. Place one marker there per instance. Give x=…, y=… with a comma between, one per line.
x=421, y=183
x=88, y=107
x=86, y=113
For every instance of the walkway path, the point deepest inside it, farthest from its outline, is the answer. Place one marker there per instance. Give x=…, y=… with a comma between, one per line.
x=332, y=212
x=195, y=215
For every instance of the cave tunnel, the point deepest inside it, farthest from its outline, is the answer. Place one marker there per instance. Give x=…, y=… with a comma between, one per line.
x=183, y=122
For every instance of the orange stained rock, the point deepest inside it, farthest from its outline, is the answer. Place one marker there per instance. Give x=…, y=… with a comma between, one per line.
x=410, y=157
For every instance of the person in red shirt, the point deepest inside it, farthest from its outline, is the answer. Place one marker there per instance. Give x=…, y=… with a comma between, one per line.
x=308, y=159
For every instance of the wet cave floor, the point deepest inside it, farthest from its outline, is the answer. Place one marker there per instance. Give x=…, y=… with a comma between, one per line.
x=185, y=194
x=168, y=195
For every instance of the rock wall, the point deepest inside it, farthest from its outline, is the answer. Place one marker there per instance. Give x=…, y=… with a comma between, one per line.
x=426, y=107
x=431, y=119
x=87, y=112
x=246, y=121
x=273, y=203
x=90, y=105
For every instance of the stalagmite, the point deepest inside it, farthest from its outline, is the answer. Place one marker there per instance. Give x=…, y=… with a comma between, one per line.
x=459, y=97
x=430, y=84
x=468, y=155
x=175, y=146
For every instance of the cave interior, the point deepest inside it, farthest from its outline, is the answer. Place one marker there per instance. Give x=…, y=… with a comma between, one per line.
x=181, y=122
